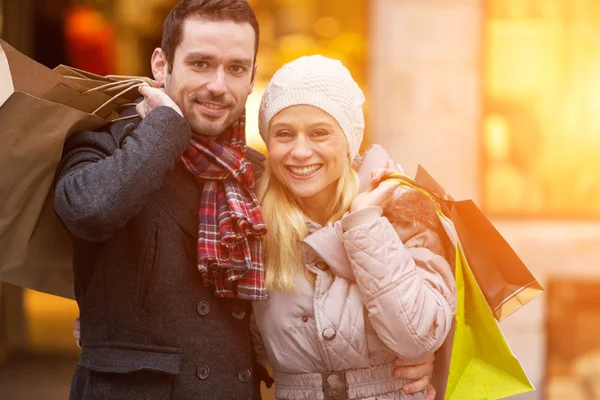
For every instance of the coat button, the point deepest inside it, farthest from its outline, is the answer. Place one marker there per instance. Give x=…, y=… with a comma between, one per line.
x=329, y=334
x=244, y=375
x=322, y=265
x=190, y=246
x=203, y=371
x=203, y=308
x=304, y=319
x=238, y=311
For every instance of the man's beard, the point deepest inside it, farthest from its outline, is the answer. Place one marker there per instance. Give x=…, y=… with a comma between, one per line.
x=202, y=124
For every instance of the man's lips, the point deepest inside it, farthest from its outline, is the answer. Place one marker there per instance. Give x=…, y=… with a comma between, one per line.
x=212, y=109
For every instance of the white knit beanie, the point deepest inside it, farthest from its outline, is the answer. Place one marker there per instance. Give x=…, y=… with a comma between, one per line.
x=320, y=82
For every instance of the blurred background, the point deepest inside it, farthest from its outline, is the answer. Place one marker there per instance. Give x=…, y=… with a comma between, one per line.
x=498, y=99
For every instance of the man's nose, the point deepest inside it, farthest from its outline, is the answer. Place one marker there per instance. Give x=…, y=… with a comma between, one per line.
x=217, y=84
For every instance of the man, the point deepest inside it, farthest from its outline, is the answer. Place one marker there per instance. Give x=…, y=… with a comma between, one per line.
x=164, y=304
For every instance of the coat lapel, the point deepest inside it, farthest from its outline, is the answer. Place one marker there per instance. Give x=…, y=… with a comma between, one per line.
x=179, y=197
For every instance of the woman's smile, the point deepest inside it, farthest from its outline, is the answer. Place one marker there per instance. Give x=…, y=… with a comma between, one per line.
x=304, y=172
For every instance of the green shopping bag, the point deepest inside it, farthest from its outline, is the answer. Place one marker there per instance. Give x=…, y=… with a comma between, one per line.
x=482, y=366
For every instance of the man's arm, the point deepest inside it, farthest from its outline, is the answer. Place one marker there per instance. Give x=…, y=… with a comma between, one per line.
x=105, y=178
x=419, y=373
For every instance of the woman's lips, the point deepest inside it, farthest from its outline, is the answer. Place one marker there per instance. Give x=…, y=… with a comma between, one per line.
x=304, y=172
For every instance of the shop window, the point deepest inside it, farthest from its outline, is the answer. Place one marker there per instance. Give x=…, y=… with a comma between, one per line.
x=541, y=126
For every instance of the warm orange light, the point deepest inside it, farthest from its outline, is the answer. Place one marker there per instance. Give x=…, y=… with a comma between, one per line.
x=542, y=112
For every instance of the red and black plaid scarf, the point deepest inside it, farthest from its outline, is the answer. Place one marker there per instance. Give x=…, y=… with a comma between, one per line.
x=231, y=224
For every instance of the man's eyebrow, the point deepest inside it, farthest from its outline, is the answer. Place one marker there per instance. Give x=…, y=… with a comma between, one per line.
x=195, y=55
x=245, y=62
x=198, y=55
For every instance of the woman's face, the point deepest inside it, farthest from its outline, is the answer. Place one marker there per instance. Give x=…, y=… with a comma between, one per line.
x=308, y=152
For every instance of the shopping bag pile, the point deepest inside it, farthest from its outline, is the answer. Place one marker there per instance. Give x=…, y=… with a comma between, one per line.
x=505, y=281
x=39, y=109
x=476, y=362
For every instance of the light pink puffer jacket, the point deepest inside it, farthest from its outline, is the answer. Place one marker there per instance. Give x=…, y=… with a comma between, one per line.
x=379, y=293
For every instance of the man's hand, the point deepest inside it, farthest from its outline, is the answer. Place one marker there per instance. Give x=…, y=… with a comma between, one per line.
x=77, y=331
x=420, y=373
x=154, y=98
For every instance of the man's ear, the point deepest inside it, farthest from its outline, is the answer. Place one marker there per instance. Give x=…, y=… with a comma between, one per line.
x=254, y=72
x=159, y=66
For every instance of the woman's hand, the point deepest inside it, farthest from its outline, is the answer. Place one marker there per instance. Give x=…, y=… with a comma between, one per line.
x=420, y=373
x=378, y=193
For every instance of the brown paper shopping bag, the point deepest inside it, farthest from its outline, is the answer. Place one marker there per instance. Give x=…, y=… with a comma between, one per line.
x=504, y=279
x=34, y=246
x=101, y=95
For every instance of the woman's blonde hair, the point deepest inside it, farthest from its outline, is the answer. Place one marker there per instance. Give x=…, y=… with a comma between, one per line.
x=283, y=252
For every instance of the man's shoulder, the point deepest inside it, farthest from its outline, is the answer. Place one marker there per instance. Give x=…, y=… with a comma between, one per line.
x=127, y=118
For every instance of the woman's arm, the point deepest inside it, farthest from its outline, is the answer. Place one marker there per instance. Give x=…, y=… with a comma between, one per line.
x=408, y=287
x=407, y=292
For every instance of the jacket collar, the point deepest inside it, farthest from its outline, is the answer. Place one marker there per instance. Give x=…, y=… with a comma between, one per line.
x=327, y=243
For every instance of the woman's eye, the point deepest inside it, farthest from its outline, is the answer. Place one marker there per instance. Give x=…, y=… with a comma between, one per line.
x=320, y=133
x=283, y=134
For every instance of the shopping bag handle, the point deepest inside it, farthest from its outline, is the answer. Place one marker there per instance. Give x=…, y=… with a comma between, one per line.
x=120, y=82
x=444, y=206
x=117, y=96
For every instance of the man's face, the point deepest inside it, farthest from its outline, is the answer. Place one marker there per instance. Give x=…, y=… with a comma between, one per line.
x=212, y=73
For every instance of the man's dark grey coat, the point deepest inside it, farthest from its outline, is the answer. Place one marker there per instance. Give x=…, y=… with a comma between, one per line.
x=150, y=330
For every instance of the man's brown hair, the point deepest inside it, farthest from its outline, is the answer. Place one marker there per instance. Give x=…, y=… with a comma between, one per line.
x=239, y=11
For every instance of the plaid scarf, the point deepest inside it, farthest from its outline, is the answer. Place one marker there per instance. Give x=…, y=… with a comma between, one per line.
x=231, y=224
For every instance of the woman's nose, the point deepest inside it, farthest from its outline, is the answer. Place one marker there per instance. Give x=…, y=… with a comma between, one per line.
x=302, y=148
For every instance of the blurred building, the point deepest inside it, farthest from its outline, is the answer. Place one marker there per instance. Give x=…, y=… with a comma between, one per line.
x=498, y=99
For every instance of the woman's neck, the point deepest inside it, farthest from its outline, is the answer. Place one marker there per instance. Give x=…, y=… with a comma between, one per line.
x=315, y=207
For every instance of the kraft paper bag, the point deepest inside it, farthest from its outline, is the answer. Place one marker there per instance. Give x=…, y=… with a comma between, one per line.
x=39, y=110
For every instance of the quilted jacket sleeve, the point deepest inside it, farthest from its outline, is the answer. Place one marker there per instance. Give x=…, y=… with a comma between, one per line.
x=408, y=289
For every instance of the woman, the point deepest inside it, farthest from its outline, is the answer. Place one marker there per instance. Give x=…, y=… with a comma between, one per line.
x=346, y=296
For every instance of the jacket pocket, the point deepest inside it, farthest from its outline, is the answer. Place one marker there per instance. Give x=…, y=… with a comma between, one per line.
x=125, y=374
x=148, y=264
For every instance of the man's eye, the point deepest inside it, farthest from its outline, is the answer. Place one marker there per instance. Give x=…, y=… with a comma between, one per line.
x=237, y=69
x=200, y=64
